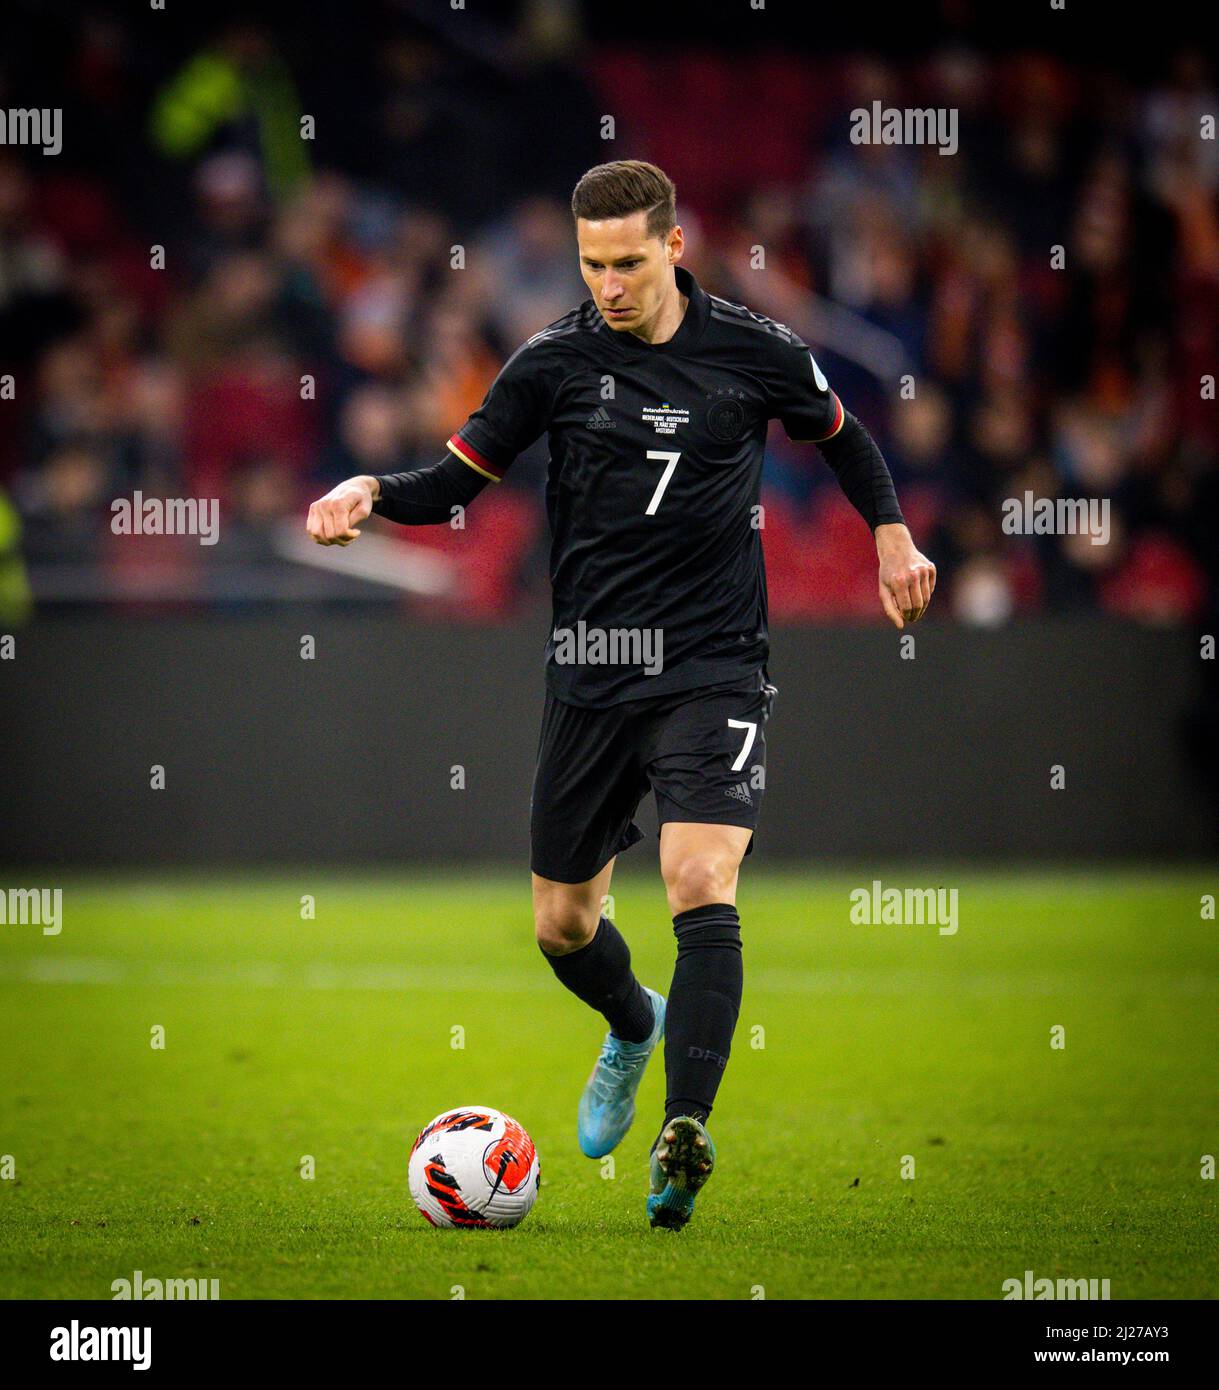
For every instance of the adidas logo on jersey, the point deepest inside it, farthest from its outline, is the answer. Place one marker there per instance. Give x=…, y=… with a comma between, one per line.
x=741, y=793
x=599, y=420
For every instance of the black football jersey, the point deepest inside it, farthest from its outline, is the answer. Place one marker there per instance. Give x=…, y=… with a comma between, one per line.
x=652, y=493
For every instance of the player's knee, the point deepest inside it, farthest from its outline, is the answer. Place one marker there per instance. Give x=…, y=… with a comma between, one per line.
x=699, y=879
x=562, y=925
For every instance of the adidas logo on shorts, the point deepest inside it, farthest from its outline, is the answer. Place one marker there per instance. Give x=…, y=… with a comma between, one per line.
x=741, y=793
x=599, y=420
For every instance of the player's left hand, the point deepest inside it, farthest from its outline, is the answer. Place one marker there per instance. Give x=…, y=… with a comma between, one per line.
x=907, y=577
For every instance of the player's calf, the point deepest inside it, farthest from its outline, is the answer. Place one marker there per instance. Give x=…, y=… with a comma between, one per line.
x=704, y=1004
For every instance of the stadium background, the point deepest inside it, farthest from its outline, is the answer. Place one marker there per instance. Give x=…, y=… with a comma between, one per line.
x=332, y=258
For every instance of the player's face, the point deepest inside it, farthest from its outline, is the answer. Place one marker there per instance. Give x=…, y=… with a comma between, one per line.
x=627, y=271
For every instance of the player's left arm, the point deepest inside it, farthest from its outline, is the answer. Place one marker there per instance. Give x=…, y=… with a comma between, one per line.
x=907, y=577
x=811, y=413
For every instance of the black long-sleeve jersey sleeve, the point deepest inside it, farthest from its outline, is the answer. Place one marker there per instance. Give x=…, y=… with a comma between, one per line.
x=862, y=473
x=811, y=413
x=427, y=496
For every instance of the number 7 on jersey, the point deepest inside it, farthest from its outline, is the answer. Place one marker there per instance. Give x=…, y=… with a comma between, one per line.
x=664, y=477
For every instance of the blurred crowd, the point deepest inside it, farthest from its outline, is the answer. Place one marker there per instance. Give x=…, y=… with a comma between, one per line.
x=339, y=303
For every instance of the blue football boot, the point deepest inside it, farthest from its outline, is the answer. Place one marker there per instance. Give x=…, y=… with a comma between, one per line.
x=607, y=1106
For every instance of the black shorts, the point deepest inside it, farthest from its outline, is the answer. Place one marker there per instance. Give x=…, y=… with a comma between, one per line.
x=702, y=751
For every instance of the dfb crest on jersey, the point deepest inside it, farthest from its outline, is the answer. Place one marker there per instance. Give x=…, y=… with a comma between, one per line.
x=726, y=415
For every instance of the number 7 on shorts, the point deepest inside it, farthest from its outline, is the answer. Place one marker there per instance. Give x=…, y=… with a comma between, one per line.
x=749, y=738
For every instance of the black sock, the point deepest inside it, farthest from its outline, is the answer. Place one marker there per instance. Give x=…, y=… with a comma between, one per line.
x=600, y=974
x=704, y=1002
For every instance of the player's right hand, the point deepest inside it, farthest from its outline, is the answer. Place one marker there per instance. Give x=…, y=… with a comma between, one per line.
x=333, y=518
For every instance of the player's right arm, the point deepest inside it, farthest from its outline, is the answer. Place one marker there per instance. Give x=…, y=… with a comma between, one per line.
x=422, y=497
x=515, y=411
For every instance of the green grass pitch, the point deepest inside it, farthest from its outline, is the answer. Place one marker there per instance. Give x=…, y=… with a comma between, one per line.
x=857, y=1046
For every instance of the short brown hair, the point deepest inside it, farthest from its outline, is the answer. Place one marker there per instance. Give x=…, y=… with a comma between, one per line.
x=626, y=186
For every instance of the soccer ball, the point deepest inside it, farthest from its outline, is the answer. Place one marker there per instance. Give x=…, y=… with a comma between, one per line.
x=474, y=1167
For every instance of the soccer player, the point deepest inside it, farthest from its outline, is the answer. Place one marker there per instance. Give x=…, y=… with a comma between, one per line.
x=655, y=396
